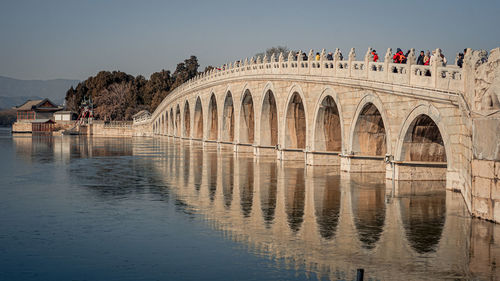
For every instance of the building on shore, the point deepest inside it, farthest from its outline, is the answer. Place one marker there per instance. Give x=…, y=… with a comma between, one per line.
x=34, y=115
x=141, y=117
x=65, y=116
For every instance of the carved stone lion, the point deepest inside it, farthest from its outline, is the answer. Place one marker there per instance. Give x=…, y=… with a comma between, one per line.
x=487, y=78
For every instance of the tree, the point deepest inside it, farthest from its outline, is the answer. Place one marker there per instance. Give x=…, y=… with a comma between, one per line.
x=118, y=96
x=274, y=50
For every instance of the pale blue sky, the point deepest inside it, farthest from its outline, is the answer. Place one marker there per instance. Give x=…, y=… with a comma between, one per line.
x=75, y=39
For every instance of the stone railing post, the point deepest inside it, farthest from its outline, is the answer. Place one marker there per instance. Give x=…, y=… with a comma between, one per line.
x=368, y=59
x=352, y=57
x=281, y=59
x=410, y=60
x=387, y=61
x=336, y=60
x=436, y=61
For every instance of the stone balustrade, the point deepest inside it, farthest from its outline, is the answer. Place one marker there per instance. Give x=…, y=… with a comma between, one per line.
x=437, y=77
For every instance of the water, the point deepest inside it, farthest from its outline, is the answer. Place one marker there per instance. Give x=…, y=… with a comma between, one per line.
x=158, y=209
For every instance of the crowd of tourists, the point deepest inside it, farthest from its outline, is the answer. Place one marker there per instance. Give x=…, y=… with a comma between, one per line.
x=424, y=58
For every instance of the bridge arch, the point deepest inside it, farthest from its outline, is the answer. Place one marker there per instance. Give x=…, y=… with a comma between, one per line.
x=213, y=130
x=423, y=138
x=161, y=123
x=178, y=121
x=187, y=120
x=247, y=119
x=165, y=124
x=198, y=119
x=328, y=123
x=295, y=121
x=370, y=133
x=172, y=123
x=228, y=118
x=269, y=118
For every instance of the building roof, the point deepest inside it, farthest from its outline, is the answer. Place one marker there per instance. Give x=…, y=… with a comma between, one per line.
x=142, y=112
x=34, y=104
x=42, y=121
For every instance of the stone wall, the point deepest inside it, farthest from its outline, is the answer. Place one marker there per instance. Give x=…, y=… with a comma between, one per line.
x=21, y=127
x=486, y=189
x=103, y=130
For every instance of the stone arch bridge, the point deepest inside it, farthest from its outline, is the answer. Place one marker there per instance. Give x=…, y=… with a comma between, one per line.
x=409, y=121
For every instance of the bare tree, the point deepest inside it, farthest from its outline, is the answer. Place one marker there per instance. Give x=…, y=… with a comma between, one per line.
x=112, y=101
x=274, y=50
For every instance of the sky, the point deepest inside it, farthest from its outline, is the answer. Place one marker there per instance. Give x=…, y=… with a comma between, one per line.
x=76, y=39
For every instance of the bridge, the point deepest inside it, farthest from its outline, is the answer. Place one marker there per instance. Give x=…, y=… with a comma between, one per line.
x=411, y=122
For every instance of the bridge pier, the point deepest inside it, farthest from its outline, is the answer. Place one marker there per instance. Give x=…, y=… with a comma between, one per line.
x=265, y=151
x=322, y=158
x=291, y=155
x=363, y=164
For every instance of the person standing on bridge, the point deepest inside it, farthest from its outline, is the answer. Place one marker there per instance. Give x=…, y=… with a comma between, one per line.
x=329, y=56
x=374, y=56
x=420, y=59
x=427, y=58
x=318, y=56
x=398, y=56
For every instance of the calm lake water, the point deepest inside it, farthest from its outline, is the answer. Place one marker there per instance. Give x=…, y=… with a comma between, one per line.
x=160, y=209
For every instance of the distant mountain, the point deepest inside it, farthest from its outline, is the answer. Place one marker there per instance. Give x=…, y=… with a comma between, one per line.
x=15, y=91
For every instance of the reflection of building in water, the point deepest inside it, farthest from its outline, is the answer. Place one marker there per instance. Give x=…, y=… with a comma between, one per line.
x=315, y=219
x=67, y=147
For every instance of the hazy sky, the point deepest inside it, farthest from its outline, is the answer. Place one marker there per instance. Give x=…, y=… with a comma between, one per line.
x=75, y=39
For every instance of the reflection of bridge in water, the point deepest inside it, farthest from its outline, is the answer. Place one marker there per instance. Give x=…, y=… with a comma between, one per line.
x=316, y=218
x=329, y=224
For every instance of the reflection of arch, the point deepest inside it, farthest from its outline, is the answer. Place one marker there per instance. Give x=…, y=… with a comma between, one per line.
x=247, y=122
x=328, y=127
x=212, y=174
x=327, y=198
x=368, y=136
x=178, y=121
x=423, y=219
x=197, y=168
x=425, y=128
x=228, y=119
x=368, y=209
x=162, y=124
x=187, y=164
x=246, y=175
x=227, y=180
x=268, y=190
x=198, y=119
x=187, y=120
x=269, y=120
x=295, y=121
x=166, y=125
x=172, y=122
x=212, y=119
x=295, y=197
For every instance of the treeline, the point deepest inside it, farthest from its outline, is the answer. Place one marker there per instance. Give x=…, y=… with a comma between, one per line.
x=7, y=117
x=118, y=96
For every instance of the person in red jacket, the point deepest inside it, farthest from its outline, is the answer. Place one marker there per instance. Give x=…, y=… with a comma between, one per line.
x=375, y=56
x=398, y=56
